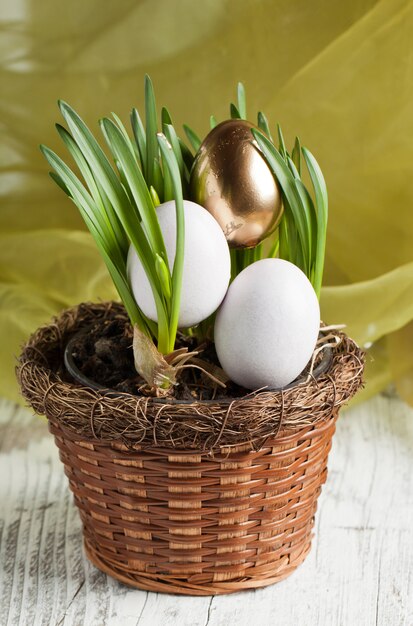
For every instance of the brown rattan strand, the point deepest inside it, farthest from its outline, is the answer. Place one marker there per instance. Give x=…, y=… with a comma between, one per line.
x=196, y=523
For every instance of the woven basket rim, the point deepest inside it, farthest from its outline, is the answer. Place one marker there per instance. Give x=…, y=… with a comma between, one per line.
x=138, y=421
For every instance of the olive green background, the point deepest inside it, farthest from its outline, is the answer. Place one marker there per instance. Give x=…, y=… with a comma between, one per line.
x=337, y=73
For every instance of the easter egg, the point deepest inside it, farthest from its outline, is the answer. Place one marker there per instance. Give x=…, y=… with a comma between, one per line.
x=207, y=265
x=267, y=326
x=231, y=179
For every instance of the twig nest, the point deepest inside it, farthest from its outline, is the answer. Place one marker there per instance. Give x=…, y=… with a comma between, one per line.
x=138, y=421
x=207, y=264
x=267, y=327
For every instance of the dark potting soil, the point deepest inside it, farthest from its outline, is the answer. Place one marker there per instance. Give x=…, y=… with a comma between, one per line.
x=104, y=355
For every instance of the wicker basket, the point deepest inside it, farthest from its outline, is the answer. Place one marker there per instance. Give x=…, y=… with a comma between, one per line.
x=196, y=521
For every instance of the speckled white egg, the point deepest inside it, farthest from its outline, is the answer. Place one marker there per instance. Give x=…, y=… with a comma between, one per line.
x=267, y=327
x=207, y=264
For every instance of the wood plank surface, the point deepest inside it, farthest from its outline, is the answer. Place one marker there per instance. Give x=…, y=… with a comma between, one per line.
x=359, y=572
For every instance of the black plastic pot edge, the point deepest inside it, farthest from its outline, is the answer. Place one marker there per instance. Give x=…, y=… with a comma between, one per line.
x=80, y=378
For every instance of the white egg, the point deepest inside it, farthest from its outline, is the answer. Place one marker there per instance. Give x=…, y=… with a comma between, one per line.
x=268, y=324
x=207, y=264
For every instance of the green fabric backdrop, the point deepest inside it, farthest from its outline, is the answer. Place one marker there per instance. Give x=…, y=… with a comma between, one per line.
x=340, y=74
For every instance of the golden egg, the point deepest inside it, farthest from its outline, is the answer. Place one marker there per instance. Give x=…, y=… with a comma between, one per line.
x=231, y=179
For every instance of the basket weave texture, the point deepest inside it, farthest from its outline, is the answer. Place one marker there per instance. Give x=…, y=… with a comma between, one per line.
x=196, y=524
x=192, y=520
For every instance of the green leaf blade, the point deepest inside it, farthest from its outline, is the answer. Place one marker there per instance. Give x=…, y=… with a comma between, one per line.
x=99, y=197
x=193, y=138
x=234, y=113
x=263, y=124
x=151, y=130
x=282, y=149
x=242, y=101
x=172, y=137
x=165, y=117
x=321, y=198
x=137, y=185
x=177, y=272
x=286, y=180
x=296, y=155
x=140, y=137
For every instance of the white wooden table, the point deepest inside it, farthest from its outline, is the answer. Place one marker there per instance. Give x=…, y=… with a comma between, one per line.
x=359, y=572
